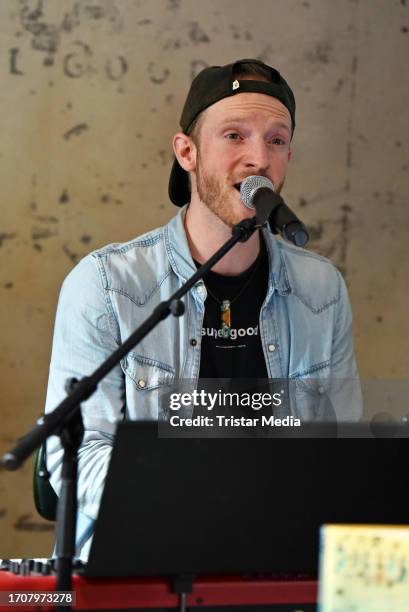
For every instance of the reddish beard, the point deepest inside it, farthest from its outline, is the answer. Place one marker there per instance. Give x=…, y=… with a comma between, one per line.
x=217, y=196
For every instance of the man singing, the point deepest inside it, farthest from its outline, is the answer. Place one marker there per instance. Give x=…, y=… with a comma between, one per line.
x=267, y=310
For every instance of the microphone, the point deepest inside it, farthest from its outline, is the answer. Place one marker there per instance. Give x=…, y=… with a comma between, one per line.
x=257, y=192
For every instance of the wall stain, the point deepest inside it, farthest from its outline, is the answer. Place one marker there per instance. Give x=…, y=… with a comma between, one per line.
x=8, y=285
x=321, y=242
x=3, y=512
x=46, y=37
x=13, y=61
x=348, y=160
x=25, y=523
x=64, y=197
x=196, y=34
x=70, y=254
x=95, y=11
x=45, y=218
x=86, y=238
x=76, y=63
x=42, y=234
x=320, y=53
x=157, y=79
x=329, y=237
x=37, y=247
x=316, y=231
x=238, y=33
x=106, y=198
x=116, y=72
x=361, y=137
x=71, y=20
x=163, y=156
x=175, y=43
x=173, y=5
x=346, y=208
x=4, y=236
x=143, y=22
x=76, y=130
x=73, y=64
x=265, y=54
x=390, y=197
x=320, y=196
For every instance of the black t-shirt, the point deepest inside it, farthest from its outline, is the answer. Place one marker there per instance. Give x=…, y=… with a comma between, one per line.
x=235, y=350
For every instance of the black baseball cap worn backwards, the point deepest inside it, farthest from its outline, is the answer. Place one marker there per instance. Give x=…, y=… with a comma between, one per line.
x=208, y=87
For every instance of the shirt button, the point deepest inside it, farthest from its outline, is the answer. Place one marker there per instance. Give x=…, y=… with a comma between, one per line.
x=142, y=383
x=200, y=290
x=271, y=348
x=193, y=342
x=321, y=390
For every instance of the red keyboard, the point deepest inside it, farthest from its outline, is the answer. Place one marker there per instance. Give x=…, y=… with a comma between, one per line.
x=137, y=593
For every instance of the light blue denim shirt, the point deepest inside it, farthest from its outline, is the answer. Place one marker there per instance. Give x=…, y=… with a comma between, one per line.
x=304, y=325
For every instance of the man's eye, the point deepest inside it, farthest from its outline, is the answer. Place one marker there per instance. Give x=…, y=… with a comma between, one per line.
x=232, y=136
x=278, y=141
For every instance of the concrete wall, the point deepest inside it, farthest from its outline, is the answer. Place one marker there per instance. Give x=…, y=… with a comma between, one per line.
x=91, y=92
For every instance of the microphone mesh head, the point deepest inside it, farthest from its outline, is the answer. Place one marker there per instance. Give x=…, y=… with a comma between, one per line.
x=249, y=187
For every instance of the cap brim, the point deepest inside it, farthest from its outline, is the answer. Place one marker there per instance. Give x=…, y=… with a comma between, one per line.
x=178, y=189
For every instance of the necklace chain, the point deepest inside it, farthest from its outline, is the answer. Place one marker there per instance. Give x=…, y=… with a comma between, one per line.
x=242, y=289
x=225, y=305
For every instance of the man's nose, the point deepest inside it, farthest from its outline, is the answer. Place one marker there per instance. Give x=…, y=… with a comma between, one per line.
x=257, y=157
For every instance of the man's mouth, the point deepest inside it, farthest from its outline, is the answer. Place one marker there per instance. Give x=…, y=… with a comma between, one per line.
x=237, y=186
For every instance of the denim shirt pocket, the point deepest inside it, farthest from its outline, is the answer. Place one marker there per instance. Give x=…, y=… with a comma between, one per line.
x=310, y=396
x=147, y=379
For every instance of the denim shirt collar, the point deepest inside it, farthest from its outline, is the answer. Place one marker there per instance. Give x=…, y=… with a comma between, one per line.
x=180, y=258
x=177, y=247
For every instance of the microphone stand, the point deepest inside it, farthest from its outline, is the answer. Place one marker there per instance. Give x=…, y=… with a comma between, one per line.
x=66, y=420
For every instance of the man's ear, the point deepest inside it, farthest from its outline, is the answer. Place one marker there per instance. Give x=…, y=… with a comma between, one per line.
x=290, y=154
x=185, y=151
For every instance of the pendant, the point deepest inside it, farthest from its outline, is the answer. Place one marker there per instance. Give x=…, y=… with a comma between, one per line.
x=225, y=318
